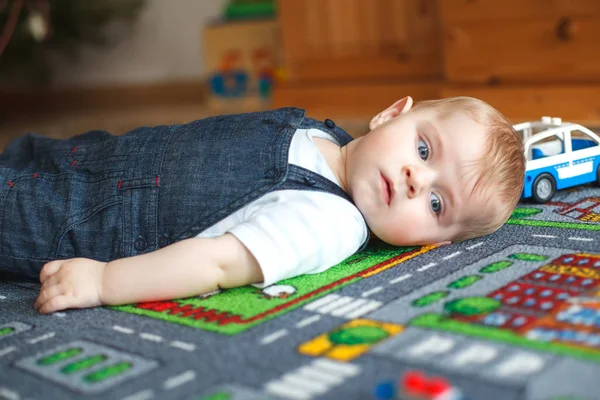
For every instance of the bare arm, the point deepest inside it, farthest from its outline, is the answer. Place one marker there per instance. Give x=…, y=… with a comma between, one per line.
x=187, y=268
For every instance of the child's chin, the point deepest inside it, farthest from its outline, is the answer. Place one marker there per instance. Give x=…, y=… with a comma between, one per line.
x=401, y=242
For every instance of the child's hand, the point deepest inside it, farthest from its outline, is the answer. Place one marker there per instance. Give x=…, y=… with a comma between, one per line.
x=73, y=283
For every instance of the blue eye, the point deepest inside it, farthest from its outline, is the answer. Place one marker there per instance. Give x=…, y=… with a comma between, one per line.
x=436, y=203
x=423, y=150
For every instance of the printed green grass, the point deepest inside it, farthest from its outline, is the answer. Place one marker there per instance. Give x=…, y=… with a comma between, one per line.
x=6, y=331
x=248, y=301
x=495, y=267
x=520, y=215
x=60, y=356
x=465, y=281
x=430, y=298
x=528, y=257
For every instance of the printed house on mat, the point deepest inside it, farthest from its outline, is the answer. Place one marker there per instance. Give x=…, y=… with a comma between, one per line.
x=548, y=304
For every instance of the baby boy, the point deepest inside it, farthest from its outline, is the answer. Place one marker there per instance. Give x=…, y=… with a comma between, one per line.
x=177, y=211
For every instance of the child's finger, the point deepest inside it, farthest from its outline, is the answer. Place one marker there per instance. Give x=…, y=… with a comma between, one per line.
x=46, y=294
x=50, y=269
x=55, y=303
x=50, y=281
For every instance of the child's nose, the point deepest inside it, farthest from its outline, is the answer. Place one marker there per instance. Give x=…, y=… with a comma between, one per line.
x=417, y=179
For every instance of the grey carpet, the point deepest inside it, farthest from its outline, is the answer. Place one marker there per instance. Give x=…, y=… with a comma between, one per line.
x=337, y=336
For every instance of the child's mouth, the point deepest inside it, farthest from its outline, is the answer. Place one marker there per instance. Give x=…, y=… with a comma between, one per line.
x=387, y=190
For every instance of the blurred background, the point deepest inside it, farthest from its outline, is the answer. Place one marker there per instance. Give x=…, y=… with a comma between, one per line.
x=67, y=66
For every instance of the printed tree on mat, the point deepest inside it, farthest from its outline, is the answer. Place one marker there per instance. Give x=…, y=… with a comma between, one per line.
x=358, y=335
x=524, y=212
x=470, y=306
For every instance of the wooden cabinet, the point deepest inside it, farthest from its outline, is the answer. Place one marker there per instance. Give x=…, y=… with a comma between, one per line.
x=526, y=57
x=338, y=40
x=355, y=56
x=539, y=41
x=490, y=10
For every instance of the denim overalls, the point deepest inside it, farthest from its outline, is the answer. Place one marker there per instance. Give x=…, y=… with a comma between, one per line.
x=105, y=197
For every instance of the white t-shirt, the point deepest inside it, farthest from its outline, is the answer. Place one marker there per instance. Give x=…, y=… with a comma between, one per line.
x=295, y=232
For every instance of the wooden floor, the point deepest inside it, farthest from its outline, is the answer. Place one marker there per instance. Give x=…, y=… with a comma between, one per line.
x=118, y=121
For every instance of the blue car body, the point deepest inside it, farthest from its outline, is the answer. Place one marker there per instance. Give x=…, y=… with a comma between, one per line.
x=569, y=153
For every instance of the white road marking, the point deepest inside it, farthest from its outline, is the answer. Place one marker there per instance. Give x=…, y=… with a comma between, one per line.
x=2, y=297
x=451, y=255
x=151, y=337
x=308, y=321
x=373, y=305
x=474, y=246
x=320, y=302
x=342, y=311
x=309, y=384
x=179, y=380
x=339, y=368
x=309, y=381
x=544, y=236
x=581, y=239
x=59, y=314
x=9, y=394
x=400, y=278
x=286, y=391
x=43, y=337
x=335, y=304
x=317, y=374
x=521, y=364
x=426, y=267
x=122, y=329
x=143, y=395
x=434, y=346
x=274, y=336
x=372, y=291
x=475, y=354
x=7, y=350
x=183, y=345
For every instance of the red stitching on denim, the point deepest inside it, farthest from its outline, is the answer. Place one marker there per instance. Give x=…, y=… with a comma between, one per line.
x=74, y=148
x=10, y=184
x=35, y=175
x=73, y=163
x=119, y=184
x=156, y=180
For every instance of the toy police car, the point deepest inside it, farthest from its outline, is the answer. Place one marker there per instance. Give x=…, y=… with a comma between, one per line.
x=559, y=155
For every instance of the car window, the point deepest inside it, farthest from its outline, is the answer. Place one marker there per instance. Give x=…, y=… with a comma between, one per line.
x=551, y=146
x=580, y=140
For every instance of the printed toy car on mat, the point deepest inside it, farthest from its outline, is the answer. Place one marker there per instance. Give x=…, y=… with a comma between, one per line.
x=559, y=155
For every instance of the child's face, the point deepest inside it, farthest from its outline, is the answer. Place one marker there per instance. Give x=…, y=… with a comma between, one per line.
x=412, y=176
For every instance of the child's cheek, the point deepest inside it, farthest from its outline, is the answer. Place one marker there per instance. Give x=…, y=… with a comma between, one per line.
x=406, y=228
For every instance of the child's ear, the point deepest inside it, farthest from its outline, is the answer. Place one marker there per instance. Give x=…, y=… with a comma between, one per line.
x=399, y=107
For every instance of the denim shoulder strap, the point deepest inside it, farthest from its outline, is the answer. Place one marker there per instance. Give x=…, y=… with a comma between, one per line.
x=327, y=126
x=299, y=178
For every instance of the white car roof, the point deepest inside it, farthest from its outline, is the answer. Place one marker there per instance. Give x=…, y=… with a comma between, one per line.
x=550, y=127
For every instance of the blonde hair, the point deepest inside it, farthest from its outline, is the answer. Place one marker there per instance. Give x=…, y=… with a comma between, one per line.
x=501, y=168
